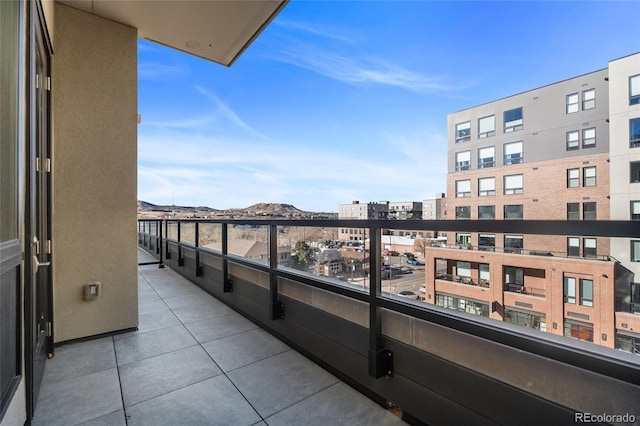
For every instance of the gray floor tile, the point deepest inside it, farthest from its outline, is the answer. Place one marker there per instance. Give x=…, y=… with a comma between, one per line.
x=152, y=377
x=280, y=382
x=152, y=321
x=77, y=359
x=113, y=419
x=146, y=345
x=188, y=300
x=213, y=308
x=151, y=304
x=145, y=291
x=77, y=400
x=211, y=402
x=336, y=405
x=220, y=326
x=243, y=349
x=175, y=291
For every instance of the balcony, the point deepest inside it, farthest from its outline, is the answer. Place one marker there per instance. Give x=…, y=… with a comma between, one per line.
x=521, y=289
x=193, y=360
x=463, y=280
x=399, y=351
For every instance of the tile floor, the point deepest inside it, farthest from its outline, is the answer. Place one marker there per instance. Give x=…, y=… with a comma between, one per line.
x=193, y=361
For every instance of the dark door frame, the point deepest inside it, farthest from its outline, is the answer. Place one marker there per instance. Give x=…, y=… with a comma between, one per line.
x=38, y=137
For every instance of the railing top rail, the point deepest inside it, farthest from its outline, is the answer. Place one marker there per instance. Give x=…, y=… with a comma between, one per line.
x=596, y=228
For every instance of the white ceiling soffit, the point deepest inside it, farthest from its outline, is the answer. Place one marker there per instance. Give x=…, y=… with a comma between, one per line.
x=217, y=30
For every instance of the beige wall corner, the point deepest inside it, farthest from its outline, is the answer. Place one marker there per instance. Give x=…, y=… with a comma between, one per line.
x=94, y=109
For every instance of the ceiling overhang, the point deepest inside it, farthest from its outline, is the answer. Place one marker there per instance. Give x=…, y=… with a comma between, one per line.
x=216, y=30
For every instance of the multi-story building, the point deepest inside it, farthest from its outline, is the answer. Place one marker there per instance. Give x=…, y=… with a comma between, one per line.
x=360, y=211
x=624, y=133
x=432, y=208
x=558, y=152
x=405, y=210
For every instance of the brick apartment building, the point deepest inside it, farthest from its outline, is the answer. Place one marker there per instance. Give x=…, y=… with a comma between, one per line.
x=566, y=151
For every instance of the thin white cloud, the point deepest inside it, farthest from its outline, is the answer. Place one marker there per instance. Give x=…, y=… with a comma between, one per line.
x=343, y=61
x=155, y=71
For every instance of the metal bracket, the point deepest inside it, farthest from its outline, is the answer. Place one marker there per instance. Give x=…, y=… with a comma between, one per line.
x=277, y=310
x=381, y=363
x=181, y=261
x=228, y=286
x=199, y=271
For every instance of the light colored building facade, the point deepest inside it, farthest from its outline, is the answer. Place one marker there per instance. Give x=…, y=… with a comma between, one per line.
x=624, y=130
x=405, y=210
x=360, y=211
x=552, y=153
x=432, y=208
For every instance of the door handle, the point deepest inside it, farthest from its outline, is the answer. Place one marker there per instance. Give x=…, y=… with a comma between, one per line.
x=37, y=264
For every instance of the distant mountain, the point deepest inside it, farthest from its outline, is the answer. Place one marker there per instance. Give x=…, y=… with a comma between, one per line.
x=146, y=210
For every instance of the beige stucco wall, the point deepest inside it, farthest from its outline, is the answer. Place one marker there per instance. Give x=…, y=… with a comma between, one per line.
x=94, y=92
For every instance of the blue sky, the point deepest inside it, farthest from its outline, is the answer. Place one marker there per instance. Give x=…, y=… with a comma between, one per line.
x=343, y=101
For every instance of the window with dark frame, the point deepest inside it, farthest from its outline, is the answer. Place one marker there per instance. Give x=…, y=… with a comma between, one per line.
x=578, y=331
x=463, y=132
x=573, y=140
x=573, y=178
x=589, y=99
x=586, y=292
x=486, y=186
x=573, y=211
x=635, y=210
x=513, y=120
x=589, y=248
x=513, y=211
x=486, y=126
x=589, y=176
x=513, y=184
x=634, y=132
x=573, y=246
x=569, y=290
x=463, y=212
x=573, y=104
x=589, y=137
x=634, y=90
x=486, y=212
x=589, y=211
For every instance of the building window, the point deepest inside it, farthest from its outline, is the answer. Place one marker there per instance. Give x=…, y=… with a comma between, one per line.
x=463, y=132
x=486, y=126
x=589, y=99
x=530, y=320
x=463, y=212
x=513, y=184
x=635, y=210
x=573, y=178
x=463, y=160
x=463, y=239
x=513, y=244
x=463, y=188
x=486, y=242
x=463, y=305
x=635, y=251
x=483, y=273
x=578, y=331
x=513, y=276
x=573, y=246
x=589, y=211
x=573, y=211
x=569, y=290
x=589, y=247
x=486, y=157
x=573, y=140
x=586, y=292
x=486, y=186
x=463, y=269
x=634, y=132
x=486, y=212
x=572, y=103
x=513, y=120
x=513, y=153
x=634, y=90
x=589, y=137
x=513, y=211
x=589, y=176
x=634, y=171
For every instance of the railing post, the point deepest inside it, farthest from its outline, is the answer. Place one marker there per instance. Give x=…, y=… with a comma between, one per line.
x=167, y=254
x=380, y=359
x=197, y=243
x=180, y=258
x=160, y=240
x=276, y=307
x=227, y=284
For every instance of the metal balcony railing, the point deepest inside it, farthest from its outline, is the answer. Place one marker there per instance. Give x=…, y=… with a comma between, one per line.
x=463, y=280
x=183, y=245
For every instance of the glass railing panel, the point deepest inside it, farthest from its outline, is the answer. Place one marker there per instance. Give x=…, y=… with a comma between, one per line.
x=172, y=231
x=210, y=236
x=403, y=271
x=188, y=232
x=338, y=255
x=249, y=241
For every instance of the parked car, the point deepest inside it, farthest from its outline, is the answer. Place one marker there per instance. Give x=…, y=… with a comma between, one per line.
x=408, y=294
x=413, y=261
x=388, y=252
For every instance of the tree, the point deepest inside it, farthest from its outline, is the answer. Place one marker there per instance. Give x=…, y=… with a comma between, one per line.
x=421, y=245
x=302, y=252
